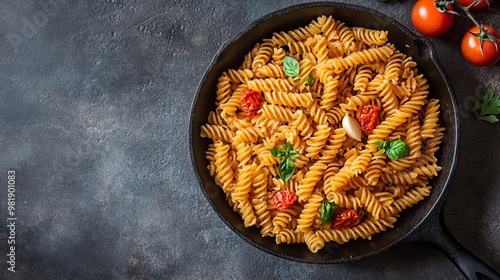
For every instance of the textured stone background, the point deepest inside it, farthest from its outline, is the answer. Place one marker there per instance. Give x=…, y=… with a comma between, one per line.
x=94, y=102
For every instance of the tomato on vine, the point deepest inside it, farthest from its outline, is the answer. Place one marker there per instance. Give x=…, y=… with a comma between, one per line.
x=480, y=50
x=429, y=20
x=478, y=6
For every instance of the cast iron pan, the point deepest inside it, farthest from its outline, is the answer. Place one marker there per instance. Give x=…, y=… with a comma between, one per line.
x=422, y=222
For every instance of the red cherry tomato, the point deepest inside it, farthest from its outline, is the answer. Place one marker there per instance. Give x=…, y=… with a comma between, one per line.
x=471, y=47
x=428, y=20
x=284, y=199
x=345, y=218
x=368, y=118
x=481, y=5
x=250, y=102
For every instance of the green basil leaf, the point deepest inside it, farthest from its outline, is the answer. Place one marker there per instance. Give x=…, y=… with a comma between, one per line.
x=286, y=169
x=398, y=149
x=287, y=147
x=327, y=212
x=277, y=153
x=293, y=155
x=310, y=80
x=380, y=144
x=381, y=151
x=291, y=66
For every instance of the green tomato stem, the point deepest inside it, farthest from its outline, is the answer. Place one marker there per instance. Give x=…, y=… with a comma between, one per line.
x=482, y=32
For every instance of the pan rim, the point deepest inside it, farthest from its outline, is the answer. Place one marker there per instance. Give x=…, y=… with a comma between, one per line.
x=439, y=200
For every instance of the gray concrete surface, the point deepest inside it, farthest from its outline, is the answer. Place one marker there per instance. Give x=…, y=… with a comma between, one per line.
x=94, y=102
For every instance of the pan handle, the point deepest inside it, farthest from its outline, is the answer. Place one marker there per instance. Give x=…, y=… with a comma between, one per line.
x=434, y=232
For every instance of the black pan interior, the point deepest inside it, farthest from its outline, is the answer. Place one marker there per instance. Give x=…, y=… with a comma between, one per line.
x=231, y=56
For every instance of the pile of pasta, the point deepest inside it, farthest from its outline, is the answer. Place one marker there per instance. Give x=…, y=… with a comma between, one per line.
x=351, y=67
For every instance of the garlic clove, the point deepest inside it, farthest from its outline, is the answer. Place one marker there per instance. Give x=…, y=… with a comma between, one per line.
x=352, y=128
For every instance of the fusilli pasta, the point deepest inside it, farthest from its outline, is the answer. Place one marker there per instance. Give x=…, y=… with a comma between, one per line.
x=341, y=70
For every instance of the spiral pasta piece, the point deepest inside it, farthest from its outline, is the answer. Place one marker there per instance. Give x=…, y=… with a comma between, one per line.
x=410, y=198
x=430, y=170
x=313, y=241
x=394, y=68
x=269, y=84
x=335, y=235
x=400, y=177
x=363, y=77
x=353, y=103
x=316, y=143
x=248, y=134
x=299, y=47
x=247, y=61
x=339, y=180
x=279, y=113
x=374, y=171
x=389, y=98
x=259, y=182
x=370, y=202
x=361, y=162
x=263, y=55
x=289, y=236
x=370, y=36
x=320, y=49
x=330, y=93
x=263, y=216
x=306, y=67
x=431, y=119
x=293, y=100
x=270, y=71
x=243, y=184
x=318, y=115
x=334, y=145
x=223, y=89
x=384, y=198
x=311, y=178
x=247, y=214
x=239, y=76
x=299, y=34
x=308, y=214
x=230, y=108
x=368, y=228
x=217, y=132
x=283, y=218
x=243, y=153
x=224, y=171
x=332, y=168
x=362, y=57
x=335, y=115
x=216, y=118
x=346, y=36
x=385, y=128
x=278, y=56
x=265, y=157
x=345, y=201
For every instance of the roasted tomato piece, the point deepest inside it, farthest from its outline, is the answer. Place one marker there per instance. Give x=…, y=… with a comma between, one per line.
x=250, y=102
x=346, y=218
x=368, y=118
x=284, y=199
